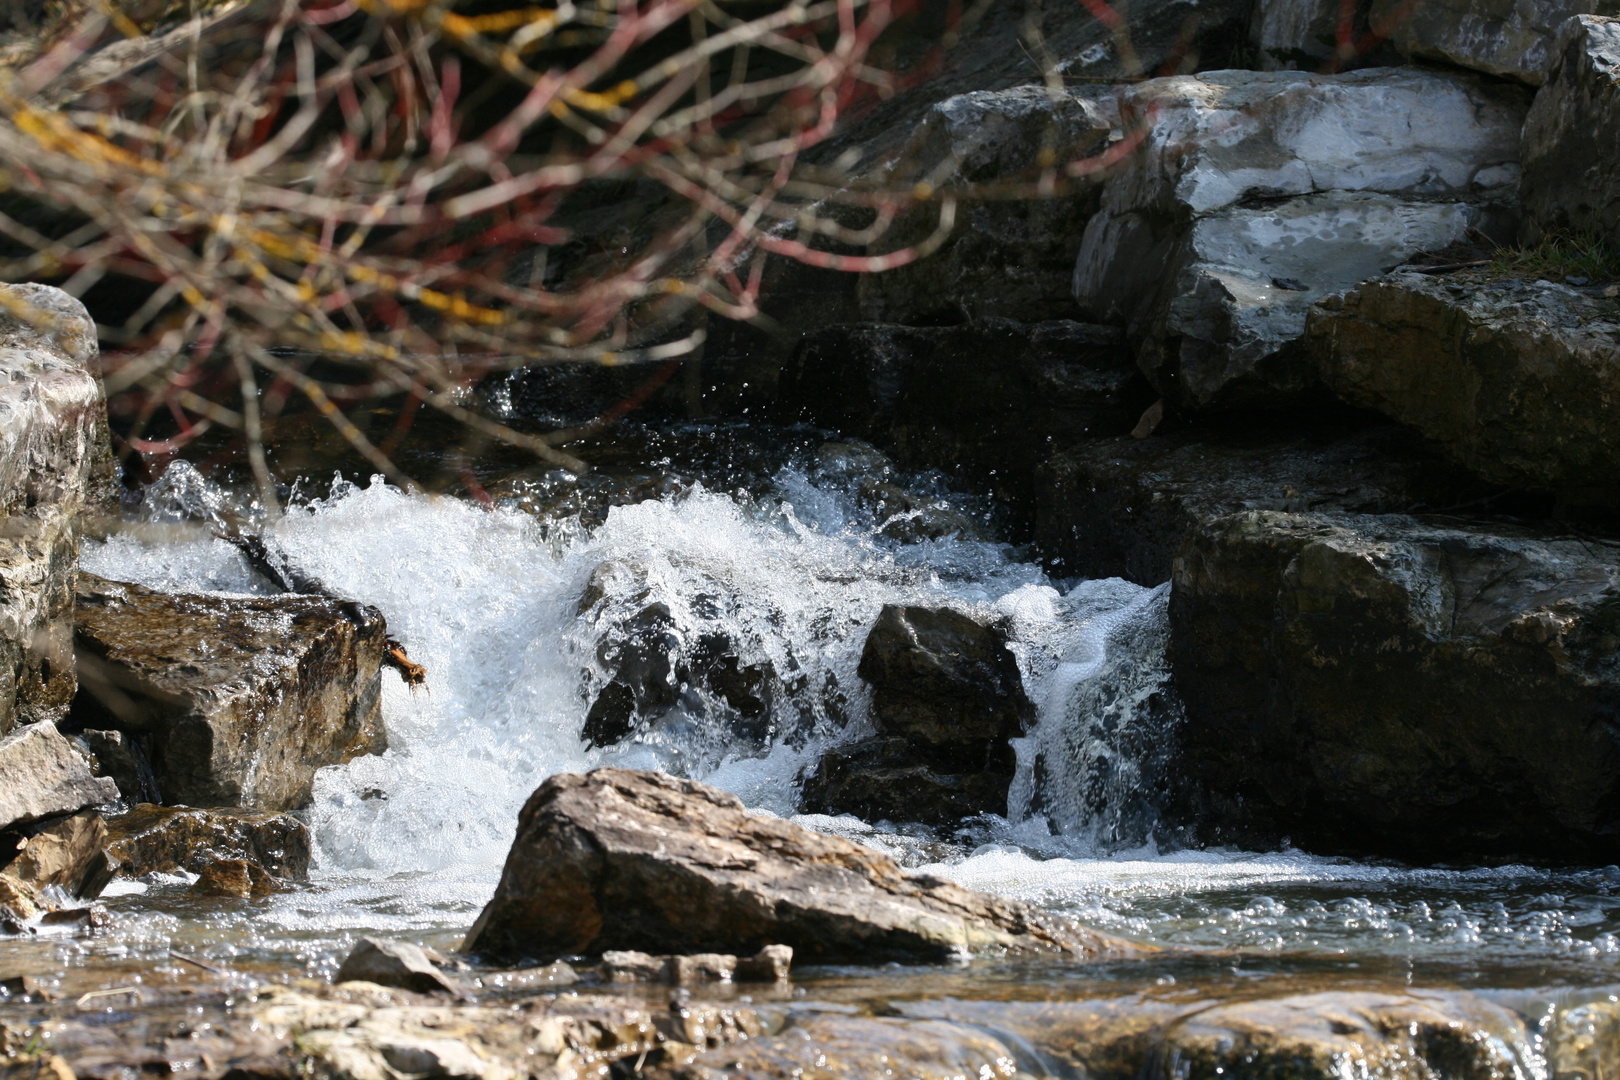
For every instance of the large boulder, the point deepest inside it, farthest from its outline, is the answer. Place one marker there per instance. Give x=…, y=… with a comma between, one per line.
x=648, y=862
x=1518, y=381
x=237, y=701
x=1254, y=194
x=1571, y=174
x=1121, y=507
x=990, y=397
x=1384, y=684
x=1510, y=39
x=166, y=839
x=890, y=779
x=55, y=459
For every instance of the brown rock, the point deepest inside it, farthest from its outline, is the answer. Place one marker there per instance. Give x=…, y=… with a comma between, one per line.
x=170, y=838
x=240, y=700
x=636, y=860
x=42, y=775
x=234, y=877
x=56, y=460
x=394, y=963
x=68, y=852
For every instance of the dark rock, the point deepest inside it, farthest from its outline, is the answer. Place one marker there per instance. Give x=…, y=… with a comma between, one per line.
x=394, y=963
x=1394, y=686
x=1571, y=175
x=990, y=397
x=235, y=877
x=946, y=684
x=166, y=839
x=883, y=779
x=645, y=861
x=1122, y=507
x=237, y=701
x=1497, y=37
x=1512, y=380
x=42, y=775
x=117, y=756
x=57, y=461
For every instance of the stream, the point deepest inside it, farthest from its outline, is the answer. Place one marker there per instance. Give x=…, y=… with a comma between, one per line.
x=785, y=545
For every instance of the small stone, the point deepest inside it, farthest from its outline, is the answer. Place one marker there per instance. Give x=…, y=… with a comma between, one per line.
x=1612, y=291
x=628, y=965
x=234, y=877
x=1577, y=281
x=1290, y=284
x=26, y=986
x=394, y=963
x=770, y=964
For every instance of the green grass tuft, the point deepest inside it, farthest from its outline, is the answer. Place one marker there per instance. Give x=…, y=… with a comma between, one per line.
x=1558, y=255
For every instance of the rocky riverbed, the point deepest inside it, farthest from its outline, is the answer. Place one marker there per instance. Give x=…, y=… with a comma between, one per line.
x=1173, y=631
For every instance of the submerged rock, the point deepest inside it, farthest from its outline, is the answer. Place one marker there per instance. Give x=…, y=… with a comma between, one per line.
x=1515, y=380
x=394, y=963
x=1506, y=38
x=166, y=839
x=55, y=460
x=1395, y=686
x=1255, y=194
x=237, y=701
x=1571, y=172
x=621, y=860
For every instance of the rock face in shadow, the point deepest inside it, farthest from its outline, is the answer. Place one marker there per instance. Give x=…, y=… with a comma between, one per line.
x=946, y=698
x=1571, y=173
x=236, y=701
x=622, y=860
x=1254, y=194
x=1122, y=507
x=990, y=397
x=1505, y=38
x=55, y=460
x=170, y=838
x=1518, y=381
x=1401, y=686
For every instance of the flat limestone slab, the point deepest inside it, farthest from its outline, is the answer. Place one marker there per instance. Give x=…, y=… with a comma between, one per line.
x=239, y=700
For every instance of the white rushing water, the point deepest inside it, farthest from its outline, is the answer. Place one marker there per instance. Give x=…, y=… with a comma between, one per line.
x=789, y=581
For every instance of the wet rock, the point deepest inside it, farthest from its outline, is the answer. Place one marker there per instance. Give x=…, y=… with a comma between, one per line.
x=886, y=779
x=642, y=861
x=1571, y=175
x=118, y=757
x=770, y=965
x=234, y=877
x=67, y=852
x=43, y=776
x=1122, y=507
x=1311, y=1036
x=1390, y=685
x=237, y=701
x=394, y=963
x=1250, y=199
x=55, y=459
x=989, y=397
x=945, y=683
x=1514, y=380
x=1306, y=34
x=856, y=1047
x=1498, y=37
x=166, y=839
x=19, y=902
x=1006, y=258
